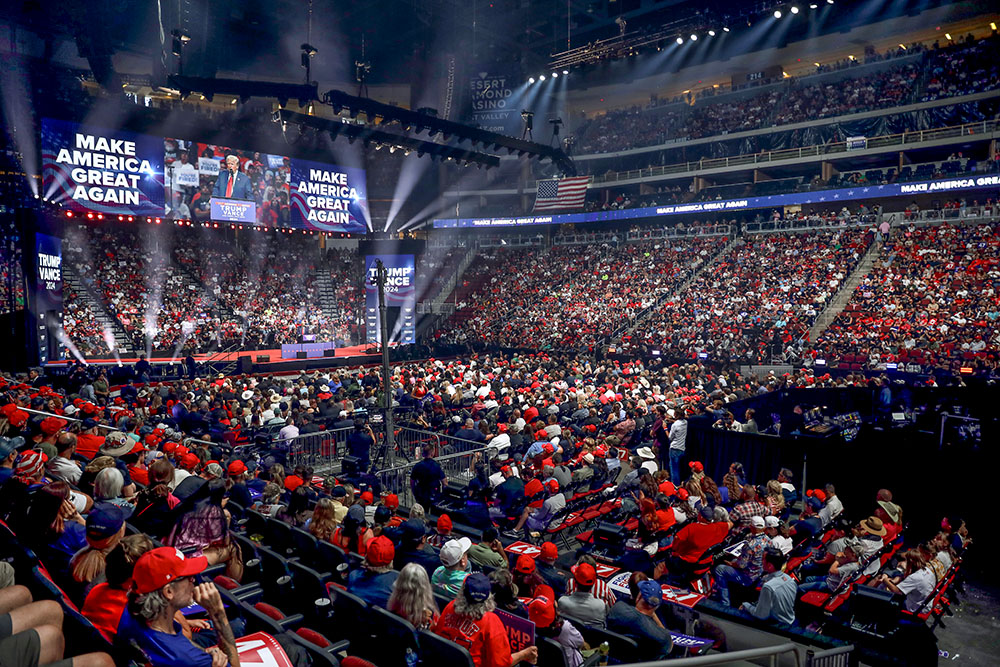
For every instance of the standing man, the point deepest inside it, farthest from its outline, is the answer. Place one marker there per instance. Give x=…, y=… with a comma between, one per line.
x=678, y=443
x=427, y=479
x=232, y=183
x=360, y=444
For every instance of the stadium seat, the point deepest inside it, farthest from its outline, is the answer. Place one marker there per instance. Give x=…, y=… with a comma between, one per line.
x=395, y=636
x=436, y=650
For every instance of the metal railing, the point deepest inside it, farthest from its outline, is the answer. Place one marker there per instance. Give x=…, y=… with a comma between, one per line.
x=810, y=223
x=770, y=653
x=834, y=657
x=320, y=451
x=456, y=463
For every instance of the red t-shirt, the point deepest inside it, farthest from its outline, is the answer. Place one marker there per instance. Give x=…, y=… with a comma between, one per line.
x=104, y=607
x=694, y=539
x=891, y=531
x=87, y=444
x=486, y=639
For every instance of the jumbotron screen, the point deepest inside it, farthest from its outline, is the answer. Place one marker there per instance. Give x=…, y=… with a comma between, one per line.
x=116, y=172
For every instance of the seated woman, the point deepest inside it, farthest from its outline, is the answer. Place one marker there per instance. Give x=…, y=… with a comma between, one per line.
x=205, y=527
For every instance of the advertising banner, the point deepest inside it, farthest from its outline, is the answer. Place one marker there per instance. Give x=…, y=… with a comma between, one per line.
x=328, y=198
x=87, y=168
x=822, y=198
x=234, y=210
x=492, y=102
x=520, y=631
x=400, y=299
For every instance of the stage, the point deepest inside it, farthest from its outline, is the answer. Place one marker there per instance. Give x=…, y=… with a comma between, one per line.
x=343, y=356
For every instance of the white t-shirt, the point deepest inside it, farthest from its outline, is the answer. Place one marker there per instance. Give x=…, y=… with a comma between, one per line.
x=783, y=543
x=917, y=587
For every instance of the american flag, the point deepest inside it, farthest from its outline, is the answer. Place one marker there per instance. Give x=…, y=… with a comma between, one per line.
x=561, y=193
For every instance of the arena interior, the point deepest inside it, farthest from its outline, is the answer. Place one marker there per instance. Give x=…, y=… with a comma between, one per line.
x=502, y=332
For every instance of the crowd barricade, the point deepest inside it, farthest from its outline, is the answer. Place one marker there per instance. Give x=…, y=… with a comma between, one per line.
x=457, y=466
x=320, y=451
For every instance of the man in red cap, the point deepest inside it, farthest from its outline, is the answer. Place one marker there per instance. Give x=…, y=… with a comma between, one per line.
x=581, y=603
x=546, y=567
x=373, y=583
x=163, y=584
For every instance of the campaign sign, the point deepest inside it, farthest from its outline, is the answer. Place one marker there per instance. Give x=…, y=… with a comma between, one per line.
x=107, y=171
x=520, y=631
x=604, y=571
x=400, y=294
x=328, y=197
x=523, y=548
x=209, y=166
x=687, y=641
x=234, y=210
x=619, y=586
x=261, y=649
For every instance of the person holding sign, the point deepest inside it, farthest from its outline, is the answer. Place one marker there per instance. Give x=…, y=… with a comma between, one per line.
x=232, y=183
x=469, y=621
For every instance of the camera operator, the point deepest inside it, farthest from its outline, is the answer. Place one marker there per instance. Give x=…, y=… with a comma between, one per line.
x=361, y=442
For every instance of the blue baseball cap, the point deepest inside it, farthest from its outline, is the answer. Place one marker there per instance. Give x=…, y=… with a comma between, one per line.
x=650, y=592
x=104, y=521
x=477, y=587
x=10, y=445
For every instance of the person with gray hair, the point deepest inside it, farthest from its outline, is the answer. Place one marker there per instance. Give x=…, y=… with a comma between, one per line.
x=232, y=183
x=108, y=486
x=163, y=584
x=470, y=621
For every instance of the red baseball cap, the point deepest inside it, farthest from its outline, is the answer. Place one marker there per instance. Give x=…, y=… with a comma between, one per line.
x=391, y=501
x=52, y=425
x=444, y=524
x=553, y=485
x=549, y=551
x=189, y=461
x=380, y=552
x=157, y=568
x=584, y=574
x=696, y=466
x=525, y=564
x=237, y=467
x=368, y=497
x=531, y=489
x=542, y=611
x=293, y=482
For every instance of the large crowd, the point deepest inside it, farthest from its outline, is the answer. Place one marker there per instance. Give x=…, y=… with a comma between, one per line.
x=930, y=301
x=134, y=521
x=570, y=295
x=954, y=70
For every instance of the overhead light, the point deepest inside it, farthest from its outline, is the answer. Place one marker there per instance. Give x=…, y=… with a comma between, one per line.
x=829, y=2
x=541, y=77
x=565, y=72
x=993, y=25
x=694, y=37
x=795, y=10
x=816, y=64
x=777, y=13
x=531, y=80
x=902, y=46
x=947, y=36
x=813, y=5
x=680, y=40
x=711, y=33
x=555, y=75
x=725, y=29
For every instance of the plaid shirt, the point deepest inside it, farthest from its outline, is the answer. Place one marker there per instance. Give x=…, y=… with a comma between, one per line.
x=743, y=512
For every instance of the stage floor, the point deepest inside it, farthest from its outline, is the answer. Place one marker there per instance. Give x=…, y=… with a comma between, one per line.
x=357, y=351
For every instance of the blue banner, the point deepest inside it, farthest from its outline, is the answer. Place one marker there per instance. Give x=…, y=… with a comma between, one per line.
x=328, y=198
x=107, y=171
x=234, y=210
x=400, y=294
x=824, y=197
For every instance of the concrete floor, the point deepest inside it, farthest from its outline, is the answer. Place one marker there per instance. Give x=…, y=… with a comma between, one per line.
x=972, y=638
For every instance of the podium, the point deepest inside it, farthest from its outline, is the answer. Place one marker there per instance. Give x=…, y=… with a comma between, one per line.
x=234, y=210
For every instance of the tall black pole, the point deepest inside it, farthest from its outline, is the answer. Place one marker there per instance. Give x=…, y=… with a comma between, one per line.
x=380, y=278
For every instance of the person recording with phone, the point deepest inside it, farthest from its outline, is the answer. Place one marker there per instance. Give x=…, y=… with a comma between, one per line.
x=232, y=183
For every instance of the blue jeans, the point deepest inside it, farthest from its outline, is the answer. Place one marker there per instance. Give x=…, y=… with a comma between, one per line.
x=813, y=584
x=727, y=574
x=675, y=465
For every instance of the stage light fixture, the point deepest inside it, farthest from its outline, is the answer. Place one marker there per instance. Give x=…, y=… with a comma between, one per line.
x=813, y=5
x=993, y=25
x=121, y=218
x=566, y=71
x=555, y=75
x=711, y=33
x=531, y=80
x=829, y=2
x=725, y=29
x=795, y=10
x=947, y=36
x=694, y=37
x=680, y=40
x=90, y=216
x=541, y=77
x=777, y=13
x=69, y=214
x=130, y=218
